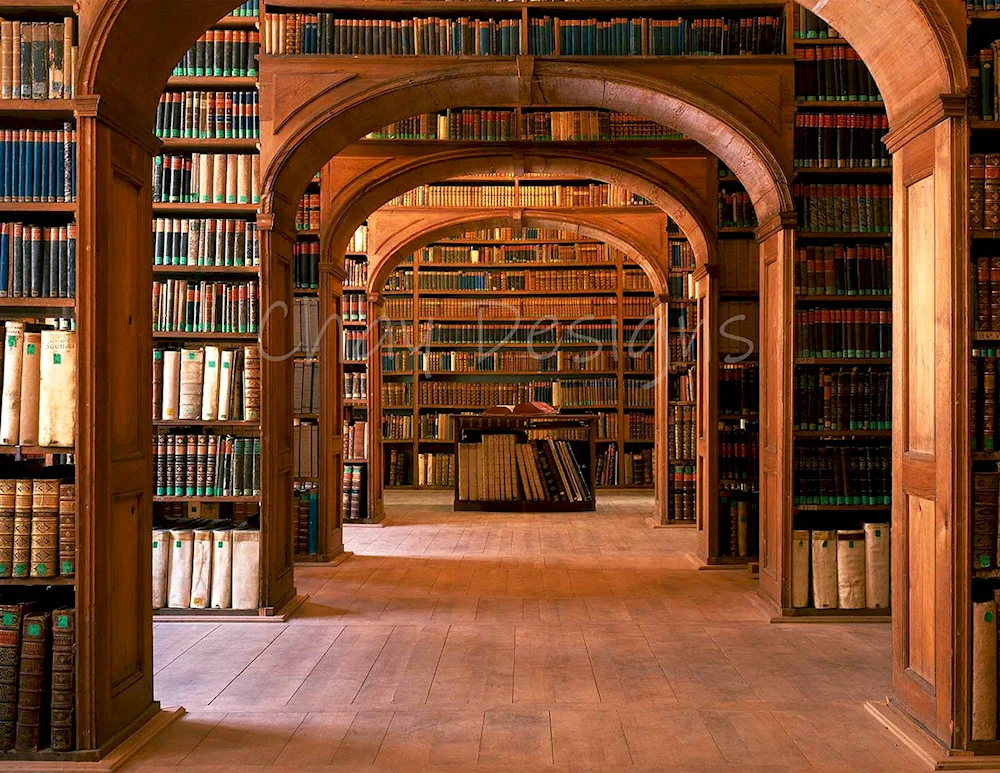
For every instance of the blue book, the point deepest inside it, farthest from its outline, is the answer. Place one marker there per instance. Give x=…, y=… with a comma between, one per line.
x=5, y=259
x=16, y=257
x=313, y=540
x=5, y=165
x=28, y=166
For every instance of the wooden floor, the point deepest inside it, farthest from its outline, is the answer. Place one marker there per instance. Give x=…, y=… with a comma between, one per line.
x=460, y=641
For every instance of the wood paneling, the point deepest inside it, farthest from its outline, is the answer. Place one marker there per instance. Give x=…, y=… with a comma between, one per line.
x=920, y=326
x=706, y=287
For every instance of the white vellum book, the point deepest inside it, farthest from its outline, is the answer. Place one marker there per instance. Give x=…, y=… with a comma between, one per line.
x=800, y=568
x=181, y=556
x=161, y=566
x=201, y=571
x=851, y=568
x=222, y=569
x=824, y=569
x=246, y=569
x=877, y=565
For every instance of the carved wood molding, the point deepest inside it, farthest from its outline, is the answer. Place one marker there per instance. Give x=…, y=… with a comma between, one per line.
x=925, y=118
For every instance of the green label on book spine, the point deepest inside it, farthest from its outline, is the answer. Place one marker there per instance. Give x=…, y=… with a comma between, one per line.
x=56, y=358
x=31, y=348
x=67, y=567
x=62, y=621
x=8, y=618
x=34, y=629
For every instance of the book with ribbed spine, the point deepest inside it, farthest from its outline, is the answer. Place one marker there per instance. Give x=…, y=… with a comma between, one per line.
x=63, y=680
x=21, y=560
x=11, y=617
x=33, y=681
x=7, y=497
x=10, y=411
x=44, y=528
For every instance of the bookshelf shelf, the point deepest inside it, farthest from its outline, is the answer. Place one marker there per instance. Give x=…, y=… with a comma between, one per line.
x=837, y=104
x=8, y=304
x=842, y=508
x=825, y=434
x=208, y=83
x=820, y=42
x=35, y=450
x=886, y=361
x=36, y=581
x=39, y=108
x=511, y=293
x=835, y=612
x=195, y=143
x=514, y=6
x=189, y=270
x=66, y=207
x=851, y=299
x=247, y=499
x=843, y=235
x=226, y=210
x=164, y=336
x=984, y=235
x=843, y=171
x=205, y=423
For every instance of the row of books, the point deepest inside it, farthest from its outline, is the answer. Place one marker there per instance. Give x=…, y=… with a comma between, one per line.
x=502, y=468
x=683, y=431
x=38, y=165
x=844, y=269
x=641, y=307
x=356, y=385
x=37, y=261
x=305, y=265
x=739, y=468
x=355, y=439
x=985, y=518
x=487, y=333
x=843, y=207
x=637, y=280
x=729, y=36
x=682, y=385
x=221, y=54
x=200, y=306
x=453, y=124
x=204, y=564
x=357, y=272
x=539, y=280
x=246, y=8
x=833, y=74
x=984, y=666
x=354, y=345
x=397, y=394
x=511, y=361
x=580, y=195
x=587, y=391
x=305, y=449
x=680, y=254
x=305, y=387
x=353, y=494
x=640, y=426
x=537, y=307
x=739, y=267
x=683, y=493
x=323, y=33
x=305, y=326
x=842, y=399
x=307, y=212
x=586, y=252
x=484, y=393
x=206, y=465
x=638, y=467
x=842, y=475
x=983, y=83
x=397, y=308
x=738, y=331
x=38, y=59
x=354, y=307
x=678, y=287
x=38, y=675
x=738, y=390
x=207, y=178
x=359, y=243
x=606, y=472
x=741, y=518
x=842, y=569
x=438, y=426
x=37, y=527
x=838, y=140
x=207, y=383
x=38, y=403
x=205, y=242
x=987, y=293
x=399, y=426
x=983, y=399
x=735, y=209
x=844, y=333
x=808, y=26
x=984, y=191
x=583, y=125
x=305, y=506
x=208, y=115
x=398, y=470
x=436, y=469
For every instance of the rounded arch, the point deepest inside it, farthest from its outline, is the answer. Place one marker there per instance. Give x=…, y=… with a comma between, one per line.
x=408, y=241
x=352, y=204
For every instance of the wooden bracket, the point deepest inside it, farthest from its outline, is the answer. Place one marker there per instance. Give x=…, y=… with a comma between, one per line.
x=525, y=76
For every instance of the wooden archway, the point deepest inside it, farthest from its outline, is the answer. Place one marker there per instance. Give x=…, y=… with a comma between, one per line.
x=363, y=184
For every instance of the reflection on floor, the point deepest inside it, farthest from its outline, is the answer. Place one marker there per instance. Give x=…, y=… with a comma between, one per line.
x=455, y=641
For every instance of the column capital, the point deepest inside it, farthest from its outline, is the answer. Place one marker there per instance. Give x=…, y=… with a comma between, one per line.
x=706, y=270
x=334, y=270
x=932, y=113
x=781, y=221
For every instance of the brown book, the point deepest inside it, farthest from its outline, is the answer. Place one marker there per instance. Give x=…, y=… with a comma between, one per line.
x=21, y=560
x=157, y=383
x=985, y=491
x=251, y=383
x=44, y=528
x=67, y=529
x=984, y=671
x=32, y=721
x=11, y=616
x=63, y=679
x=7, y=488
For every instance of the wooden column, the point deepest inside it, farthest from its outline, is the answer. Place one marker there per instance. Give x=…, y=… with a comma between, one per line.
x=931, y=531
x=706, y=293
x=114, y=434
x=661, y=432
x=331, y=410
x=776, y=348
x=277, y=544
x=376, y=506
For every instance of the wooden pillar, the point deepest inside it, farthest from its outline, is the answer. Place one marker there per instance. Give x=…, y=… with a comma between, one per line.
x=277, y=544
x=931, y=530
x=376, y=473
x=661, y=431
x=114, y=433
x=776, y=349
x=706, y=293
x=331, y=410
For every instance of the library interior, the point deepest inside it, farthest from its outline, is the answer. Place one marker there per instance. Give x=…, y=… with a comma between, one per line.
x=546, y=385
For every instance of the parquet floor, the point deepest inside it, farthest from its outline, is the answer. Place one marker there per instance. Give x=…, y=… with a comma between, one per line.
x=485, y=642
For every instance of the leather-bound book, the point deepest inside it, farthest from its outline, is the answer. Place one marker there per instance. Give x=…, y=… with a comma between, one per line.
x=63, y=679
x=824, y=569
x=44, y=528
x=851, y=568
x=246, y=569
x=171, y=384
x=10, y=409
x=158, y=383
x=984, y=671
x=181, y=555
x=7, y=488
x=33, y=682
x=800, y=568
x=11, y=617
x=226, y=371
x=161, y=567
x=31, y=360
x=192, y=365
x=21, y=561
x=67, y=529
x=877, y=565
x=201, y=572
x=985, y=512
x=57, y=394
x=251, y=383
x=222, y=568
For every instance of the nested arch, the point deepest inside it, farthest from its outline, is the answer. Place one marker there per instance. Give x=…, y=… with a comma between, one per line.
x=366, y=192
x=408, y=240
